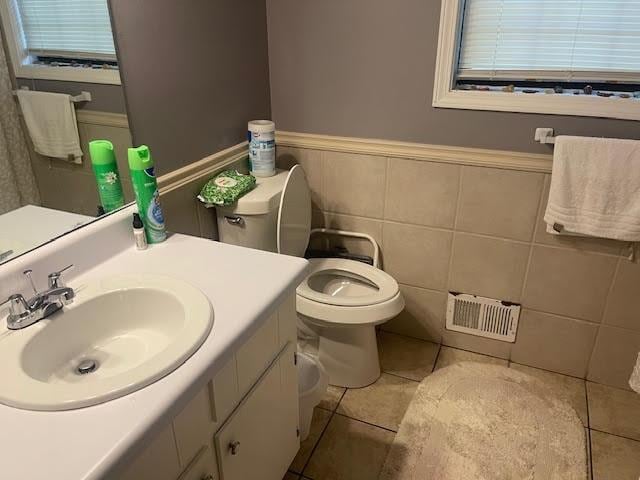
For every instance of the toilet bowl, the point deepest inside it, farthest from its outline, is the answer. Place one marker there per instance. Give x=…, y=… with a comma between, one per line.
x=340, y=301
x=312, y=385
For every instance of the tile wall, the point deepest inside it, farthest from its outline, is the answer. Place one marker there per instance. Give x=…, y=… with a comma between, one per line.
x=479, y=230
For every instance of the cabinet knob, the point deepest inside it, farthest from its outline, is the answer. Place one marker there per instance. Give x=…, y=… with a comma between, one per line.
x=234, y=447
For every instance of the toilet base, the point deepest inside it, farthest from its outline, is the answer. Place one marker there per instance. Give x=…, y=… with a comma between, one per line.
x=350, y=355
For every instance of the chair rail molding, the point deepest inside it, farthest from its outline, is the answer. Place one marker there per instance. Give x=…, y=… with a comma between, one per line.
x=529, y=162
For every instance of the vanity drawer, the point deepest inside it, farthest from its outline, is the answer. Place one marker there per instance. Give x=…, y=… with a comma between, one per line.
x=203, y=467
x=257, y=353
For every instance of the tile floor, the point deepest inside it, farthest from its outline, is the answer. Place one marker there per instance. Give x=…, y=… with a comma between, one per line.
x=352, y=429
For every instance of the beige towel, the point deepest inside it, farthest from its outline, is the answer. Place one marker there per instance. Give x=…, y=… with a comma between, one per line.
x=51, y=122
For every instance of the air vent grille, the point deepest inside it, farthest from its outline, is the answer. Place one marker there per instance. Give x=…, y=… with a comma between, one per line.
x=484, y=317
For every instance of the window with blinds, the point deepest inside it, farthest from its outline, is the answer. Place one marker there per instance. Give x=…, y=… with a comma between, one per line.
x=550, y=40
x=69, y=29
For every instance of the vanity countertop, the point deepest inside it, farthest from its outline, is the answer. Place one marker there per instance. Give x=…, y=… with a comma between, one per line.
x=244, y=286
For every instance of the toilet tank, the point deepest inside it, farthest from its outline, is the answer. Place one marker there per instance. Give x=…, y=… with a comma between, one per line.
x=252, y=221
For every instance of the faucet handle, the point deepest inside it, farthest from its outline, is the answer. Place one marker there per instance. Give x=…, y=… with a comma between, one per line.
x=55, y=278
x=27, y=273
x=18, y=306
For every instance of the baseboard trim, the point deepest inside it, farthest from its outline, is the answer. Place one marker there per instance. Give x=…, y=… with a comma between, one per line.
x=202, y=168
x=95, y=117
x=529, y=162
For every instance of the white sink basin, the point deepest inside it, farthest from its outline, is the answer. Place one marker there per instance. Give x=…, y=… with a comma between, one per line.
x=120, y=335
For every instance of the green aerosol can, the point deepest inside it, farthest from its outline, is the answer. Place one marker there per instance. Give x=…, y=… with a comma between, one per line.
x=105, y=168
x=145, y=187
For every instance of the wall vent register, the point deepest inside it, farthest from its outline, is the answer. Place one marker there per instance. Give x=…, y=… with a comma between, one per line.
x=482, y=317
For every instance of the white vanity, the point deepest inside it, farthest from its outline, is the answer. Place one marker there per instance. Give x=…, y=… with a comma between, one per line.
x=229, y=412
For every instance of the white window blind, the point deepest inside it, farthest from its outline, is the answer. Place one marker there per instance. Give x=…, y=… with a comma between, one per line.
x=566, y=40
x=67, y=28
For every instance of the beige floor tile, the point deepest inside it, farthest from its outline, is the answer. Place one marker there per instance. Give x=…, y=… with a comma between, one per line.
x=318, y=423
x=332, y=397
x=383, y=403
x=570, y=389
x=349, y=450
x=613, y=410
x=614, y=458
x=407, y=357
x=614, y=356
x=449, y=356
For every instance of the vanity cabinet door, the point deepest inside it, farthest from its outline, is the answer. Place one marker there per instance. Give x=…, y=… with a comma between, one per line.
x=260, y=438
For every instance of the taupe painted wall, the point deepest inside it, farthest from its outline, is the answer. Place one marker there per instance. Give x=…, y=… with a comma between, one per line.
x=365, y=68
x=194, y=73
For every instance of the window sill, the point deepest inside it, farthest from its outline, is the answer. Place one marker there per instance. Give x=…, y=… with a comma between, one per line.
x=580, y=105
x=69, y=74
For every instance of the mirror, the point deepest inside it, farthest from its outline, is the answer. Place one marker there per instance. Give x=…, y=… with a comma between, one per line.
x=47, y=183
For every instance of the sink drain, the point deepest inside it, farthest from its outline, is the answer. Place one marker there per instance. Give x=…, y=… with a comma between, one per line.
x=86, y=366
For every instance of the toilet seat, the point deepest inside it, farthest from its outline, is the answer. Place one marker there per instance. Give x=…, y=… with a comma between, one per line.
x=346, y=283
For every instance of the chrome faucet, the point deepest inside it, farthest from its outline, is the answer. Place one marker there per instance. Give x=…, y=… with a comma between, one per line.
x=24, y=313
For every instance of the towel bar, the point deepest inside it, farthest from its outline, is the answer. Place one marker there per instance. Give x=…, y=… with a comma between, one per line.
x=82, y=97
x=545, y=136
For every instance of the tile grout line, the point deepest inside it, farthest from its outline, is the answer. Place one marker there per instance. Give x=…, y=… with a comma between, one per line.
x=387, y=186
x=435, y=362
x=366, y=423
x=332, y=414
x=453, y=237
x=475, y=234
x=590, y=452
x=481, y=354
x=532, y=239
x=604, y=313
x=400, y=376
x=511, y=362
x=615, y=435
x=586, y=397
x=315, y=447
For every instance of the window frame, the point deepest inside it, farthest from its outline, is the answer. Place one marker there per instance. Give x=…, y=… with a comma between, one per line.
x=446, y=96
x=24, y=69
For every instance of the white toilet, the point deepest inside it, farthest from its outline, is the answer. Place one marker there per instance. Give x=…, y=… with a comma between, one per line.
x=340, y=301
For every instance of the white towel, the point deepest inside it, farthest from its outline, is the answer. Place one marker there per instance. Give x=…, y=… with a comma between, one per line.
x=634, y=381
x=595, y=188
x=51, y=122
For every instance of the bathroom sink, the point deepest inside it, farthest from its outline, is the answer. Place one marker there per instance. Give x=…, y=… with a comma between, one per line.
x=121, y=334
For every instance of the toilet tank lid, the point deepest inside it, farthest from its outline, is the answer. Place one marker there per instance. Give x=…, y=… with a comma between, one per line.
x=264, y=198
